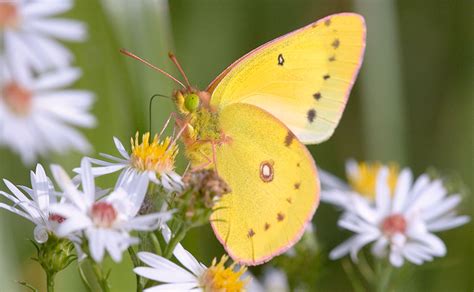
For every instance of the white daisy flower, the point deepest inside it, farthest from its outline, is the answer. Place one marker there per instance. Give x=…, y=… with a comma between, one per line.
x=194, y=276
x=30, y=34
x=155, y=159
x=401, y=222
x=36, y=209
x=106, y=222
x=37, y=116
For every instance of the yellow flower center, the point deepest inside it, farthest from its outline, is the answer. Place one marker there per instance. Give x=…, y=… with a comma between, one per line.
x=157, y=156
x=218, y=278
x=364, y=181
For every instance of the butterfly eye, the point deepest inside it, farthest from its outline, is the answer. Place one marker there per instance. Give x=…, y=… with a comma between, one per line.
x=191, y=102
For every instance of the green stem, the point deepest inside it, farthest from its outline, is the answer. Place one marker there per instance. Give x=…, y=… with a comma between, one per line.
x=156, y=243
x=50, y=281
x=100, y=276
x=180, y=234
x=383, y=276
x=136, y=263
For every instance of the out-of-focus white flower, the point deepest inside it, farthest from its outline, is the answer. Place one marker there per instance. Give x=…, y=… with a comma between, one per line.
x=400, y=222
x=36, y=209
x=155, y=159
x=361, y=182
x=274, y=280
x=193, y=277
x=106, y=222
x=30, y=34
x=37, y=116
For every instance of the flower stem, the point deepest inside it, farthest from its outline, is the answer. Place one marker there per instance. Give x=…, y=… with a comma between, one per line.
x=50, y=281
x=180, y=234
x=100, y=276
x=136, y=263
x=383, y=275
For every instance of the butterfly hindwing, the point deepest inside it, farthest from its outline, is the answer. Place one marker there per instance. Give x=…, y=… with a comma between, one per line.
x=274, y=183
x=303, y=78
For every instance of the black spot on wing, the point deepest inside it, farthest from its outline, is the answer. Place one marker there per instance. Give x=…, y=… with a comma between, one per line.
x=311, y=115
x=335, y=44
x=281, y=60
x=317, y=95
x=289, y=138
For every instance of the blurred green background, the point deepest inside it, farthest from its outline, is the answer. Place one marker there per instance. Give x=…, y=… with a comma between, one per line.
x=412, y=103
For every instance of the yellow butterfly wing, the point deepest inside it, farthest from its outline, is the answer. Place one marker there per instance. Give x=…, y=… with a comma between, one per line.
x=274, y=182
x=303, y=78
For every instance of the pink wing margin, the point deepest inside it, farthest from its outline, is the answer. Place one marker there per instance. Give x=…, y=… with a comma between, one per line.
x=212, y=86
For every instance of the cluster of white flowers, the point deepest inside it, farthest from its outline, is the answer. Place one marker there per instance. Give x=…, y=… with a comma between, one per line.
x=37, y=113
x=385, y=206
x=101, y=219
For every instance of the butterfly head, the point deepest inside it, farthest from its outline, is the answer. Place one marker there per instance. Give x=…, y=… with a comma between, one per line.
x=191, y=101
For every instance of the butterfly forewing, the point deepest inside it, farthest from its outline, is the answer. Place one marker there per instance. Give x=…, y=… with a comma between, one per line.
x=303, y=78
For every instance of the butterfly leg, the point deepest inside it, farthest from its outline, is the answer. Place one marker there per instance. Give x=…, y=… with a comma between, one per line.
x=172, y=115
x=203, y=165
x=213, y=146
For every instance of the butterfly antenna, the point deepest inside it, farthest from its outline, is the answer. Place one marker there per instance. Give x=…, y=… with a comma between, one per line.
x=175, y=61
x=149, y=108
x=133, y=56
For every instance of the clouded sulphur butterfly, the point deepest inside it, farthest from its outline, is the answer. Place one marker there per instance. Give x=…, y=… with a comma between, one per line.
x=250, y=125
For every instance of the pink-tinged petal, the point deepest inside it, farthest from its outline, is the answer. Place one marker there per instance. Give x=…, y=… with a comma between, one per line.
x=135, y=185
x=70, y=191
x=56, y=79
x=147, y=222
x=72, y=224
x=342, y=249
x=113, y=244
x=382, y=195
x=188, y=260
x=65, y=29
x=363, y=209
x=114, y=159
x=331, y=182
x=21, y=57
x=54, y=54
x=439, y=210
x=23, y=202
x=173, y=287
x=98, y=171
x=417, y=253
x=361, y=241
x=404, y=182
x=42, y=9
x=163, y=270
x=16, y=211
x=121, y=148
x=396, y=259
x=447, y=223
x=97, y=243
x=87, y=178
x=429, y=196
x=41, y=187
x=379, y=248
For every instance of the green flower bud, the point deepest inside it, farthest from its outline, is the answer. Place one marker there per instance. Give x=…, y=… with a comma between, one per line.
x=55, y=254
